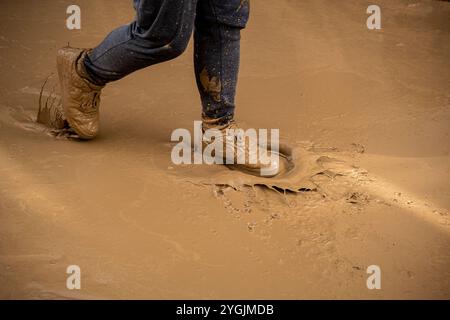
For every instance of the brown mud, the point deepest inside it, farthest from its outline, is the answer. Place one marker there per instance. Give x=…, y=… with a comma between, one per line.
x=367, y=114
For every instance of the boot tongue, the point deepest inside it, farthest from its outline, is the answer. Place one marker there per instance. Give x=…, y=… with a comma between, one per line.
x=208, y=123
x=82, y=72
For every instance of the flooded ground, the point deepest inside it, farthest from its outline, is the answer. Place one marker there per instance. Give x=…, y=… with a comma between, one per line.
x=369, y=107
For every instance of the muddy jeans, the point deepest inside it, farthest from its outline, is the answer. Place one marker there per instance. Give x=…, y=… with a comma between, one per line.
x=161, y=31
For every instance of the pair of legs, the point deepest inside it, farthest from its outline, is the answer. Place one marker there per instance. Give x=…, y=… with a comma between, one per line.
x=161, y=32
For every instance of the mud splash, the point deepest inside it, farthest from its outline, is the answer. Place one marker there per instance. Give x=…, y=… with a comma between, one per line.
x=50, y=109
x=301, y=171
x=50, y=112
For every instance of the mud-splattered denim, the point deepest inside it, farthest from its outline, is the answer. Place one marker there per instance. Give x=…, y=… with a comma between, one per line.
x=161, y=31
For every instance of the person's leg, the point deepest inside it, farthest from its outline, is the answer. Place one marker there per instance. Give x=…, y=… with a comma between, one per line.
x=160, y=32
x=217, y=36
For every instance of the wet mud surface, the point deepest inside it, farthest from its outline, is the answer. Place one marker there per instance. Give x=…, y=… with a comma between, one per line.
x=365, y=112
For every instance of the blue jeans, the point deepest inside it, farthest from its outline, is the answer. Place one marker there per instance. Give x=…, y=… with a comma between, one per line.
x=161, y=32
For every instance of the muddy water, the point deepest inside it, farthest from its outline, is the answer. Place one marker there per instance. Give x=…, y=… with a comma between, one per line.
x=370, y=107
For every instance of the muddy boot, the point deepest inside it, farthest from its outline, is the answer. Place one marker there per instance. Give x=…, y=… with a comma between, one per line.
x=80, y=97
x=251, y=163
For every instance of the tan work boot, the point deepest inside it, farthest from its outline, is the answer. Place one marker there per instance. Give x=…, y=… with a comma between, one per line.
x=250, y=161
x=80, y=97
